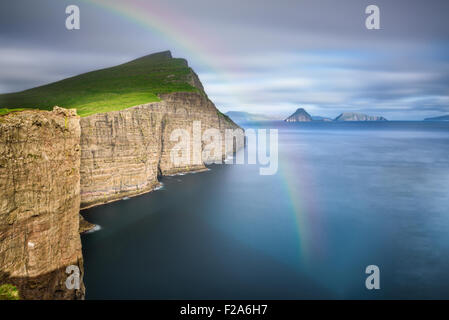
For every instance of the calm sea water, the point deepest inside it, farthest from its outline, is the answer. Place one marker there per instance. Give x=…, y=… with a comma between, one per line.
x=346, y=195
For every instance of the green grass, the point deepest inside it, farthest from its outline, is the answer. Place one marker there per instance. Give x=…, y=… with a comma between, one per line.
x=9, y=292
x=6, y=110
x=120, y=87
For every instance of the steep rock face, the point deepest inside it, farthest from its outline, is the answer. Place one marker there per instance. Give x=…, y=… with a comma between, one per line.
x=300, y=115
x=354, y=116
x=123, y=152
x=119, y=154
x=39, y=202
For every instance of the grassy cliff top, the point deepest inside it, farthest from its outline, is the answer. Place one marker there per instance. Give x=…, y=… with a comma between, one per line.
x=116, y=88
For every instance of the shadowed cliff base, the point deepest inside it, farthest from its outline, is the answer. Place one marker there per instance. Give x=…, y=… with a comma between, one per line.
x=48, y=286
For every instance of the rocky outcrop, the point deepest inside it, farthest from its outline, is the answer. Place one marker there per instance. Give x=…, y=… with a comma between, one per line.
x=300, y=115
x=354, y=116
x=123, y=152
x=85, y=226
x=39, y=202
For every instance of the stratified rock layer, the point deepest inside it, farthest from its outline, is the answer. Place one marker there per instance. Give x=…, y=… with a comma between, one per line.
x=123, y=152
x=39, y=202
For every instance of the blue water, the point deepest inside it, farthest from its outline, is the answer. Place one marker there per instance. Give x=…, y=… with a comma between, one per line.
x=346, y=195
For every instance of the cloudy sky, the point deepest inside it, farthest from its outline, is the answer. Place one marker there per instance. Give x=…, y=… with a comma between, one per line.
x=260, y=56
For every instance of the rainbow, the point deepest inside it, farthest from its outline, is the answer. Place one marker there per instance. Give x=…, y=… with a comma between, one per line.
x=298, y=185
x=302, y=205
x=205, y=49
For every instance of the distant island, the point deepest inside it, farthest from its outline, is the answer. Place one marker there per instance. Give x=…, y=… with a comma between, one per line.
x=440, y=118
x=301, y=115
x=354, y=116
x=240, y=116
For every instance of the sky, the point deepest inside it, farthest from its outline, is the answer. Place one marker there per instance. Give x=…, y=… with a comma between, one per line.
x=266, y=56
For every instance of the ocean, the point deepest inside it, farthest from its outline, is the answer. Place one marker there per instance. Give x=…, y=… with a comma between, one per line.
x=346, y=195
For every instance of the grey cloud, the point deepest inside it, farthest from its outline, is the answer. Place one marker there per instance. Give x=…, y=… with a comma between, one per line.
x=273, y=55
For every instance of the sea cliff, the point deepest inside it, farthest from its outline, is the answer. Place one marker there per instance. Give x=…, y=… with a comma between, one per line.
x=52, y=163
x=124, y=152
